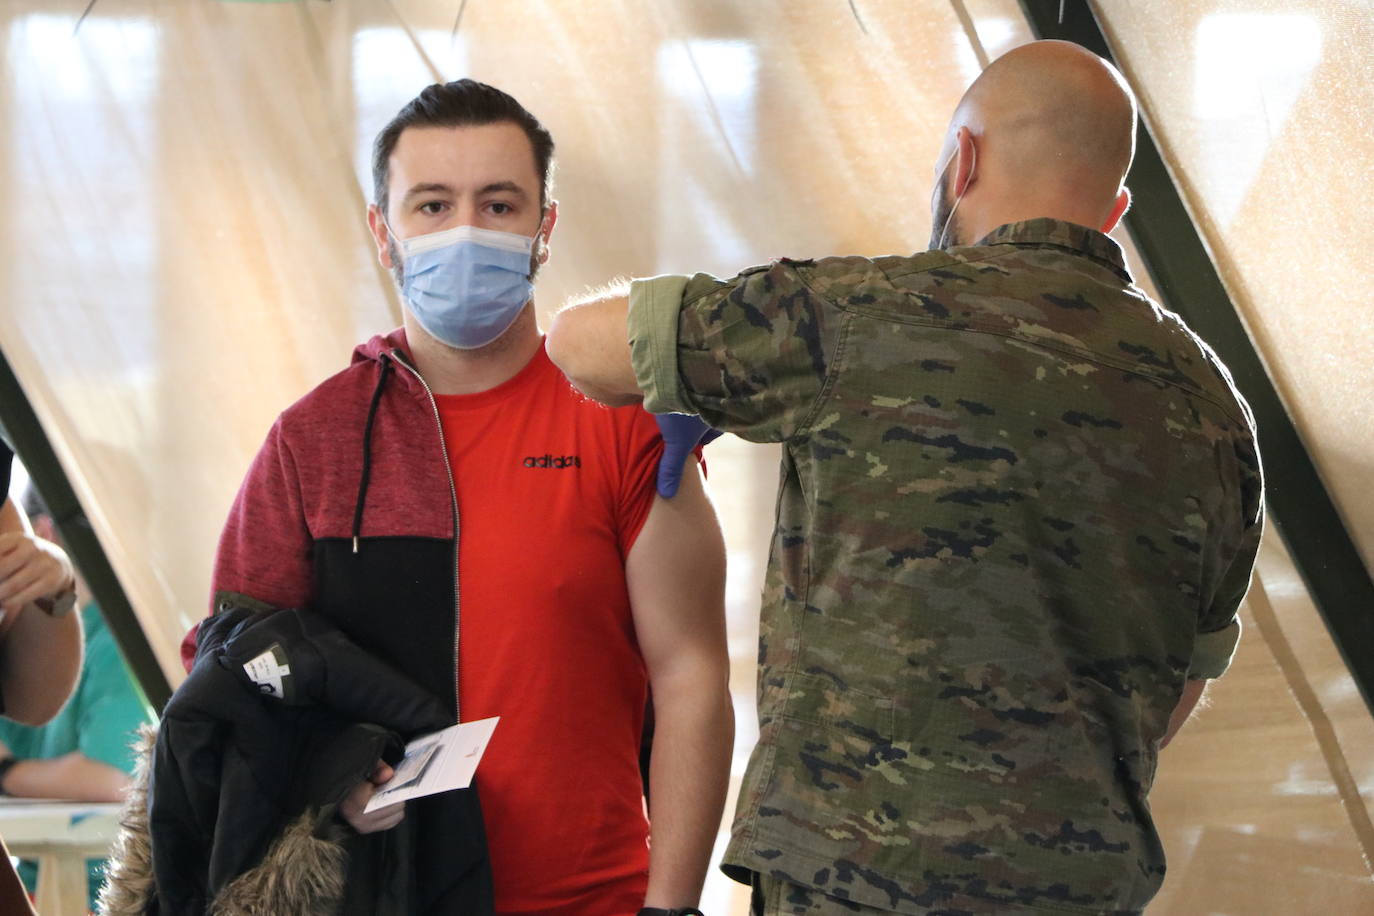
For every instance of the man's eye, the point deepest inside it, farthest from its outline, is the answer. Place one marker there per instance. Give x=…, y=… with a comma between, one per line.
x=432, y=208
x=501, y=209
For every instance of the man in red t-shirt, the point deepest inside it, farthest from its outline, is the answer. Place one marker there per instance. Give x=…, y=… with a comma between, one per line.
x=451, y=504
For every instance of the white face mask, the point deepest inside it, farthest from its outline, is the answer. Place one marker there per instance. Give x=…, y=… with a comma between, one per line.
x=938, y=242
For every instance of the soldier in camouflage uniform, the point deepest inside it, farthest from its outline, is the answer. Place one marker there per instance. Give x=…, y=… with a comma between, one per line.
x=1020, y=504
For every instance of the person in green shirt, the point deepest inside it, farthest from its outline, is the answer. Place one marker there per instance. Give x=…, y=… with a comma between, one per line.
x=84, y=753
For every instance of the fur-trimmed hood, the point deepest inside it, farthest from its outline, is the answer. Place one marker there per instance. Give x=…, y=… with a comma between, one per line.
x=302, y=874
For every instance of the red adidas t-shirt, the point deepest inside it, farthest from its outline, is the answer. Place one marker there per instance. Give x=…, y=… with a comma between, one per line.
x=552, y=491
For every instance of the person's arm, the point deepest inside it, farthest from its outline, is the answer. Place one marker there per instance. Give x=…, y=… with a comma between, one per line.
x=40, y=655
x=1187, y=702
x=264, y=554
x=105, y=714
x=73, y=776
x=749, y=355
x=588, y=341
x=675, y=572
x=264, y=560
x=1234, y=563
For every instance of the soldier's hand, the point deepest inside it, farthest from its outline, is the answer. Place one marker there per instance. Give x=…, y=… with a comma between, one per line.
x=681, y=434
x=31, y=568
x=381, y=819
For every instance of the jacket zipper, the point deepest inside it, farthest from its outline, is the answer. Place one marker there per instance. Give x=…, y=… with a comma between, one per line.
x=453, y=495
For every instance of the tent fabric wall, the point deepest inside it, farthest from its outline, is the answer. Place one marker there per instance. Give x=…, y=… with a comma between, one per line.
x=1262, y=112
x=1263, y=108
x=185, y=254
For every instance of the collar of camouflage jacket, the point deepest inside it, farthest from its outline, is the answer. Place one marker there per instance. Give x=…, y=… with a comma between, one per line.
x=1061, y=234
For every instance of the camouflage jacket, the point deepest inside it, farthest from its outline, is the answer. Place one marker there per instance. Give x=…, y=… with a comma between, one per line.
x=1019, y=506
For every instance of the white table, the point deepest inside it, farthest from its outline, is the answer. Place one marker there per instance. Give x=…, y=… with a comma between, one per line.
x=61, y=836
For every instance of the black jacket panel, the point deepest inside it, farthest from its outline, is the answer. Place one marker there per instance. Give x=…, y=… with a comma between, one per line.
x=396, y=597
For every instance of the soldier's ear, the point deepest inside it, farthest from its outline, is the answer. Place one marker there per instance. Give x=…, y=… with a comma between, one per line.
x=1119, y=208
x=966, y=161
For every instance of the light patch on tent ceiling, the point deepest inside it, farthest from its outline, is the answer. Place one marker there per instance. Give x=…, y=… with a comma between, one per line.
x=81, y=106
x=1249, y=71
x=996, y=34
x=388, y=73
x=723, y=74
x=710, y=89
x=114, y=56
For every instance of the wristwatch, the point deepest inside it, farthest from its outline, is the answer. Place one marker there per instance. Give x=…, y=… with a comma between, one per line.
x=58, y=605
x=660, y=911
x=5, y=766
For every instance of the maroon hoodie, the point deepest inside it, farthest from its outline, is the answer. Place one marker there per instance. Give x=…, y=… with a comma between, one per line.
x=348, y=510
x=366, y=536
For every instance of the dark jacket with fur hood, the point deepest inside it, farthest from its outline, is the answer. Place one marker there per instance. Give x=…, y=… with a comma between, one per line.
x=280, y=717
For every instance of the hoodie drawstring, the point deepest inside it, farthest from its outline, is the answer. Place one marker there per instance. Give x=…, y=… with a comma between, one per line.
x=367, y=450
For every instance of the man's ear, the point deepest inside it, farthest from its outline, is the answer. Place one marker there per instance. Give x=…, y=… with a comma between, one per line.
x=546, y=230
x=966, y=168
x=380, y=235
x=1119, y=208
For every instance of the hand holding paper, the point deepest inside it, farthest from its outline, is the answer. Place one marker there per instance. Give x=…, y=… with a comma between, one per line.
x=437, y=762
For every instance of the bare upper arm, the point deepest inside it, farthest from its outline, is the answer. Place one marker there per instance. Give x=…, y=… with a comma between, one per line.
x=589, y=342
x=1187, y=701
x=675, y=573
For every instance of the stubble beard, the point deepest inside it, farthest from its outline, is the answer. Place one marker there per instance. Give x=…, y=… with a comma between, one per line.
x=939, y=218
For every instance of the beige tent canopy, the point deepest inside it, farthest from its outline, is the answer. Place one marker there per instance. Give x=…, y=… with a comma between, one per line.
x=185, y=254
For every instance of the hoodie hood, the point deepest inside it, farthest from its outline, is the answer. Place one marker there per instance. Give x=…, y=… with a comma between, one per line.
x=383, y=343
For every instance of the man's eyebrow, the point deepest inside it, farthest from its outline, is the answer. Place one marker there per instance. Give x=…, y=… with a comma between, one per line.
x=498, y=187
x=434, y=187
x=428, y=187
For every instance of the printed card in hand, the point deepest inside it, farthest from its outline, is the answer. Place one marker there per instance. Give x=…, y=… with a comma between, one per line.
x=437, y=762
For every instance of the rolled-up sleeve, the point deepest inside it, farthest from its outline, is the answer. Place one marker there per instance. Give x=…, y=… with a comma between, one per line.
x=749, y=355
x=1212, y=652
x=655, y=305
x=1219, y=627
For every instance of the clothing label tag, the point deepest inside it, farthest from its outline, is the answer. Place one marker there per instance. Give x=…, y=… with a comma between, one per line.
x=437, y=762
x=270, y=672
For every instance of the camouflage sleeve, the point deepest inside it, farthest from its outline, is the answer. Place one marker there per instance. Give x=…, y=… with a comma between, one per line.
x=652, y=324
x=1219, y=628
x=749, y=355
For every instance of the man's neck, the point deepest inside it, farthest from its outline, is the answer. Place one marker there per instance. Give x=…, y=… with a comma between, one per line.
x=450, y=371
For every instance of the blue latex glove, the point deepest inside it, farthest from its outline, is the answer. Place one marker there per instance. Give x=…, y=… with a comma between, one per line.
x=681, y=433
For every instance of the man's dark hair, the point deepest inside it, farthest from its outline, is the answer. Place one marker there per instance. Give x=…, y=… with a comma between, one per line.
x=459, y=104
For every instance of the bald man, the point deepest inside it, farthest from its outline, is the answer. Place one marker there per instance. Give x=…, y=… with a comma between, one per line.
x=1020, y=504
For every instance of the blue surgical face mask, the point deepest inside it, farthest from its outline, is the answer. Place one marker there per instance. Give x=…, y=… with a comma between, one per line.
x=466, y=285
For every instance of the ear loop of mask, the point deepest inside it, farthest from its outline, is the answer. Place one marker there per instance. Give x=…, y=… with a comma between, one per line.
x=393, y=250
x=960, y=196
x=393, y=244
